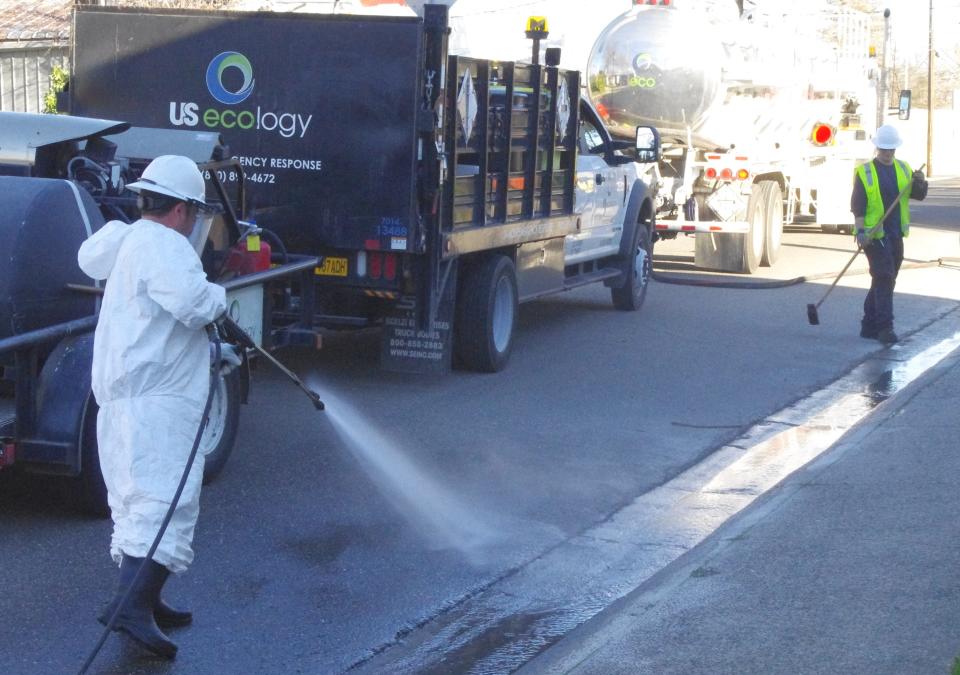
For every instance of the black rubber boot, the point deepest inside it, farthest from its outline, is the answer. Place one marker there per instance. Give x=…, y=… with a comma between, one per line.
x=888, y=337
x=136, y=619
x=165, y=615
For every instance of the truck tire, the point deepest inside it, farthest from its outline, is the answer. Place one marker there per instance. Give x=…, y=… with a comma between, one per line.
x=752, y=241
x=773, y=222
x=220, y=434
x=630, y=296
x=738, y=252
x=486, y=315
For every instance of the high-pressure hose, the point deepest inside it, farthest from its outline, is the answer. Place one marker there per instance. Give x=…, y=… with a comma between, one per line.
x=214, y=373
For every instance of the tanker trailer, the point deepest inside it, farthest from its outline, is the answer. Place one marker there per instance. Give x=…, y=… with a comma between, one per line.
x=757, y=116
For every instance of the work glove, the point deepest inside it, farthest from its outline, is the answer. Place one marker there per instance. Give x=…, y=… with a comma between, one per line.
x=230, y=358
x=918, y=177
x=862, y=239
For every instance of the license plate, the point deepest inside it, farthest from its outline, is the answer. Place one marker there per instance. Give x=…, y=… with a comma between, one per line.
x=332, y=267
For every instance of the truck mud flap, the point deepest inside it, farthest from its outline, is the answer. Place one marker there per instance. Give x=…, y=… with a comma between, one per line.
x=407, y=347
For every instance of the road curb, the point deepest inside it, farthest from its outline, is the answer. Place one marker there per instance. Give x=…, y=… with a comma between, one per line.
x=616, y=621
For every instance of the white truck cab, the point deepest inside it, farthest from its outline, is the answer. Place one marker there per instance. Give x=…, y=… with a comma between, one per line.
x=611, y=192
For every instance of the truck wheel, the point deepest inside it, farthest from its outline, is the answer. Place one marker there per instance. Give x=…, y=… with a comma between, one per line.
x=220, y=434
x=631, y=295
x=92, y=490
x=752, y=240
x=486, y=314
x=773, y=222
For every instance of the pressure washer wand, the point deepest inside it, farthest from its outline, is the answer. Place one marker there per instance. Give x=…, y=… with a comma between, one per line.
x=237, y=334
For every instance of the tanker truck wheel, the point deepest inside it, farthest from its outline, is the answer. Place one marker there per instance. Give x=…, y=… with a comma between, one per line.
x=753, y=239
x=773, y=221
x=742, y=252
x=486, y=314
x=220, y=434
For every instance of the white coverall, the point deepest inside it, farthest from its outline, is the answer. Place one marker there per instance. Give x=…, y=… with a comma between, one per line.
x=151, y=376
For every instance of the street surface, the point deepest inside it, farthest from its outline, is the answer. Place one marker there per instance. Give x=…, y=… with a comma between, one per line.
x=310, y=559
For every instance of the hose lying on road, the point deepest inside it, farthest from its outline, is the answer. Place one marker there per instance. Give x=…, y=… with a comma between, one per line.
x=682, y=280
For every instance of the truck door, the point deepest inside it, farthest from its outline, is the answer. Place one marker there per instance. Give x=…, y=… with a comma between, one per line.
x=597, y=197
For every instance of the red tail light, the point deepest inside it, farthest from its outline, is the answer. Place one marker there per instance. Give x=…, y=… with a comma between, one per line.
x=376, y=265
x=822, y=134
x=390, y=266
x=726, y=174
x=711, y=172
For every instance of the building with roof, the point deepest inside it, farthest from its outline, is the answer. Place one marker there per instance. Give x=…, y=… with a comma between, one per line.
x=34, y=38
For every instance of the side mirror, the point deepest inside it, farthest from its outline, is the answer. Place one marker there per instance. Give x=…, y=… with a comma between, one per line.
x=904, y=112
x=648, y=145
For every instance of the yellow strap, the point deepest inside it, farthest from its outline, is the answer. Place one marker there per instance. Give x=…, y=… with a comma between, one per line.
x=253, y=242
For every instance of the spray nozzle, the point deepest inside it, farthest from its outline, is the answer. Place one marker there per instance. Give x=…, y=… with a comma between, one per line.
x=235, y=333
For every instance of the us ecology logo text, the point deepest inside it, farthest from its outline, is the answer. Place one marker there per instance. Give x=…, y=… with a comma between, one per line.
x=188, y=114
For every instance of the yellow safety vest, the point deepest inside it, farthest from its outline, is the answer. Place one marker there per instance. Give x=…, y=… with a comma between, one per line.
x=871, y=221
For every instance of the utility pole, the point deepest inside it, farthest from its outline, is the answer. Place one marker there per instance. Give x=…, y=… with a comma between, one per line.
x=882, y=94
x=930, y=105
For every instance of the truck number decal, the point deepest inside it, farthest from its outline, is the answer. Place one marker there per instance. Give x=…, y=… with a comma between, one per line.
x=391, y=226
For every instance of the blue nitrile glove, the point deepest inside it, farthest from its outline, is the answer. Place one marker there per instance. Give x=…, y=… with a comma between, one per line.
x=862, y=239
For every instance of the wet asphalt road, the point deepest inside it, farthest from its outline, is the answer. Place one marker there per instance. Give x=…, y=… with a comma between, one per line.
x=304, y=565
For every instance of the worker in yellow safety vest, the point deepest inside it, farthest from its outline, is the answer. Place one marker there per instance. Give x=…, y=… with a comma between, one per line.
x=876, y=186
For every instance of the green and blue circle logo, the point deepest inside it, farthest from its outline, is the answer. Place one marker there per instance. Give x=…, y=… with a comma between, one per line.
x=220, y=63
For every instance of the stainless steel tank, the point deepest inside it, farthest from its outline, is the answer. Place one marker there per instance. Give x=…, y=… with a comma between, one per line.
x=656, y=66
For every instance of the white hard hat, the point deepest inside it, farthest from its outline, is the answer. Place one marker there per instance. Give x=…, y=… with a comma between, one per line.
x=887, y=137
x=175, y=176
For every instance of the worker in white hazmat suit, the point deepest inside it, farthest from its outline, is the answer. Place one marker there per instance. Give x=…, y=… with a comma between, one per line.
x=151, y=370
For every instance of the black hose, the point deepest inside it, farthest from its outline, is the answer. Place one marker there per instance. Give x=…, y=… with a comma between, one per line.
x=214, y=372
x=276, y=243
x=681, y=280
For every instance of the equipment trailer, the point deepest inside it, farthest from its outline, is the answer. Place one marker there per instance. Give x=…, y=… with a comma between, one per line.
x=60, y=177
